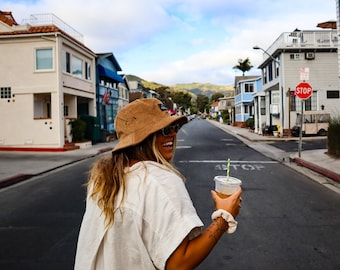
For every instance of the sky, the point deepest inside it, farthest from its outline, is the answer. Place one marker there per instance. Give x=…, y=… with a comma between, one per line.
x=181, y=41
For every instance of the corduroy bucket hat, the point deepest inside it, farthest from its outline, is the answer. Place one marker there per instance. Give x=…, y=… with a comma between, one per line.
x=140, y=118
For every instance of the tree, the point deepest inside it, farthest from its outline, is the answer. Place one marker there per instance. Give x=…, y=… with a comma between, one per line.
x=202, y=101
x=165, y=96
x=243, y=65
x=216, y=96
x=183, y=100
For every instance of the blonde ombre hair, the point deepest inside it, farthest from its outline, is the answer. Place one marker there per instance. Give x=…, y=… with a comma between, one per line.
x=107, y=177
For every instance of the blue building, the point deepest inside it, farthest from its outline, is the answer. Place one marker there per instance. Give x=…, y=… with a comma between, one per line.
x=245, y=88
x=112, y=91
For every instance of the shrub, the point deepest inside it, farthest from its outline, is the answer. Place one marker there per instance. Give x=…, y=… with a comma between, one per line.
x=78, y=128
x=333, y=136
x=250, y=122
x=225, y=116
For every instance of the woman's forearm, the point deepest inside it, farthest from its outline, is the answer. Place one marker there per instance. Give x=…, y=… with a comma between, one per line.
x=191, y=253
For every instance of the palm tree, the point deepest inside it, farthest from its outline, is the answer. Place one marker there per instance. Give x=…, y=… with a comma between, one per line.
x=243, y=65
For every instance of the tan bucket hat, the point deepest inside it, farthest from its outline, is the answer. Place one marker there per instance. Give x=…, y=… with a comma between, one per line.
x=140, y=118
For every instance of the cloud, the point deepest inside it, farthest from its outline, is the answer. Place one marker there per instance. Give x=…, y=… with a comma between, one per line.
x=170, y=41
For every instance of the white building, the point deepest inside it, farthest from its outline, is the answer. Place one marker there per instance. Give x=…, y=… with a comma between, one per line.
x=47, y=77
x=338, y=29
x=292, y=58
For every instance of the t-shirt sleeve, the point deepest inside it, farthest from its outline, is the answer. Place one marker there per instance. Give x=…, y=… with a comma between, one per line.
x=169, y=216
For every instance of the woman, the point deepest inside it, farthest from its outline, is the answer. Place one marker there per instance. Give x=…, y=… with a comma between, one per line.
x=138, y=212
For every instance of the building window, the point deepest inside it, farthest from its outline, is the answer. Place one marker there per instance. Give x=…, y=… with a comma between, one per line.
x=248, y=88
x=275, y=97
x=294, y=56
x=44, y=59
x=263, y=105
x=246, y=109
x=77, y=66
x=237, y=90
x=42, y=106
x=293, y=103
x=309, y=104
x=238, y=109
x=277, y=67
x=264, y=75
x=5, y=92
x=270, y=71
x=333, y=94
x=66, y=62
x=87, y=71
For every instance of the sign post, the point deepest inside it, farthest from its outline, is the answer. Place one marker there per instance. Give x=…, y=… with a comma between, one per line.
x=303, y=91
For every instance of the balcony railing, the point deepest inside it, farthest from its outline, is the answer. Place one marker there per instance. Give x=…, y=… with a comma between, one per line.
x=305, y=39
x=51, y=19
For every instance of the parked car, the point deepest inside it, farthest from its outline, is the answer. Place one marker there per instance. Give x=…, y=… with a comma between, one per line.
x=313, y=123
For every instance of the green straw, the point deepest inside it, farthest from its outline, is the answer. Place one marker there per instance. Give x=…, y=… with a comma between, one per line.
x=228, y=169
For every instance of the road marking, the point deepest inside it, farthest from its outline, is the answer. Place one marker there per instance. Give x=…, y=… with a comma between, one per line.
x=225, y=161
x=183, y=147
x=245, y=167
x=250, y=165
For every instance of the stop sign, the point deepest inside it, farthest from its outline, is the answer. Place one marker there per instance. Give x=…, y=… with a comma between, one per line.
x=303, y=90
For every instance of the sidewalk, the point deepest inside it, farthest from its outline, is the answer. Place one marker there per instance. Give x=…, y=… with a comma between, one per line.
x=16, y=166
x=19, y=166
x=315, y=160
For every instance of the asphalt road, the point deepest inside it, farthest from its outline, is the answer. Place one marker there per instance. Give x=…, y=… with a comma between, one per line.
x=293, y=146
x=286, y=221
x=40, y=219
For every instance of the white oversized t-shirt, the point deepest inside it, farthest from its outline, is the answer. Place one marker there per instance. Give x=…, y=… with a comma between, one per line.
x=154, y=218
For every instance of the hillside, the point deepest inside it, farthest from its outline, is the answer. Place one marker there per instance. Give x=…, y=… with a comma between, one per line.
x=206, y=89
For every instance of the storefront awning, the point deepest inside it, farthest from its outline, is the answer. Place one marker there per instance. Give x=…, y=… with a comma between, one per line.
x=108, y=73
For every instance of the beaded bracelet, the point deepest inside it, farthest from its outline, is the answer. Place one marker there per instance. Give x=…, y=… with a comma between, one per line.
x=232, y=223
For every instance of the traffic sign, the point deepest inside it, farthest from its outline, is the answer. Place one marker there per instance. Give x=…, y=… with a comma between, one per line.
x=303, y=90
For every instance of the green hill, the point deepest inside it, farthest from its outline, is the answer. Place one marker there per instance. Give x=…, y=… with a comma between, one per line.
x=206, y=89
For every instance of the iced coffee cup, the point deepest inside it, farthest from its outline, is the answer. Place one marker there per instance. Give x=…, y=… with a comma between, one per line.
x=225, y=186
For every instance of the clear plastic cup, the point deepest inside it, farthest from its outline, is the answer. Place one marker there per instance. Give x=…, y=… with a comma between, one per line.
x=224, y=186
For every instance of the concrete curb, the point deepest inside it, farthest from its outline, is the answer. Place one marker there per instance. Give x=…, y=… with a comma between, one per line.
x=332, y=175
x=14, y=179
x=6, y=182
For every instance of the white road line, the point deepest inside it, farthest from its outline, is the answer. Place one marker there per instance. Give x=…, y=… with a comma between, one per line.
x=225, y=161
x=183, y=146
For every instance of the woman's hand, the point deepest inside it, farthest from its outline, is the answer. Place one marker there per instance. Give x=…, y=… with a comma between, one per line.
x=232, y=204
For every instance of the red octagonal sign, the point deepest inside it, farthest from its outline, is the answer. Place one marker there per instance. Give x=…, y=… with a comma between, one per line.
x=303, y=90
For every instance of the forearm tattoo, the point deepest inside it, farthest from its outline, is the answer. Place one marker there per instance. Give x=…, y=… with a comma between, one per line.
x=217, y=228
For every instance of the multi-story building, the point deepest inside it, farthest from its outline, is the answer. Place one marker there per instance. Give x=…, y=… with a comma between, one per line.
x=245, y=88
x=338, y=29
x=112, y=91
x=47, y=77
x=294, y=57
x=227, y=104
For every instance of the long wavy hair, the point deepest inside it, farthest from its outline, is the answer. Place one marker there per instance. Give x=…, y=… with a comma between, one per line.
x=107, y=176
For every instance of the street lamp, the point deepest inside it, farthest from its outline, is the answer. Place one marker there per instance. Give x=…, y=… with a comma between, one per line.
x=280, y=87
